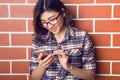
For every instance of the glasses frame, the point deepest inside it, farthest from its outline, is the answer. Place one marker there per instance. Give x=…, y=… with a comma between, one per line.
x=49, y=22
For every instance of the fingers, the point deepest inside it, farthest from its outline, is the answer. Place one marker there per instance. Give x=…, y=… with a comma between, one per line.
x=59, y=53
x=46, y=61
x=40, y=56
x=47, y=58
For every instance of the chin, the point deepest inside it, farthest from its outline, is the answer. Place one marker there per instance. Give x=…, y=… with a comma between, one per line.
x=56, y=32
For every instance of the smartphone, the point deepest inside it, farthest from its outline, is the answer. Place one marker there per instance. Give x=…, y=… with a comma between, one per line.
x=45, y=54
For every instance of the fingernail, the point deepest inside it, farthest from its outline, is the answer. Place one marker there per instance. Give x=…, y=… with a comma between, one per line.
x=50, y=54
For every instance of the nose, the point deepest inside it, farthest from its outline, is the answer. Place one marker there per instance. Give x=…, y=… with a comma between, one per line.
x=49, y=25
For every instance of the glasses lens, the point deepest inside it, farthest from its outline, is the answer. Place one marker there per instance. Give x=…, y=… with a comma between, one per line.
x=52, y=21
x=44, y=24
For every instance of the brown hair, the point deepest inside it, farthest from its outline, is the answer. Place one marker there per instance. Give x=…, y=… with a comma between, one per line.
x=48, y=5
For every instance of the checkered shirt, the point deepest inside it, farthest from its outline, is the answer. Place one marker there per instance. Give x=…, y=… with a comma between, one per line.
x=76, y=44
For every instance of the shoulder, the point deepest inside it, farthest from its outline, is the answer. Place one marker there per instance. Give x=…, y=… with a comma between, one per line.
x=36, y=42
x=79, y=32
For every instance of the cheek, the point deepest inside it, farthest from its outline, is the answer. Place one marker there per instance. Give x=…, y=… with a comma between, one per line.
x=46, y=28
x=60, y=21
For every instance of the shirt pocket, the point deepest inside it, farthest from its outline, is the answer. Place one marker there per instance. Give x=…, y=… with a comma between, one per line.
x=74, y=56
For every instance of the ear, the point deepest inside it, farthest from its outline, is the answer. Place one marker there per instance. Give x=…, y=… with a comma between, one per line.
x=63, y=12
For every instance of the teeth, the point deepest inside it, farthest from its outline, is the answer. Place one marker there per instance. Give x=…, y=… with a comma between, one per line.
x=53, y=29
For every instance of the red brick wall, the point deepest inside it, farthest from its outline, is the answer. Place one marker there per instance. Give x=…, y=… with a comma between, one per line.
x=101, y=18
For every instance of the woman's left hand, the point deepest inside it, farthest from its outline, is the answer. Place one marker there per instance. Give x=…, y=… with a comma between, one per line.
x=63, y=58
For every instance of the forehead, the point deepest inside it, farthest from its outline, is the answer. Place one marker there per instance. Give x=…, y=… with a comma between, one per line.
x=47, y=14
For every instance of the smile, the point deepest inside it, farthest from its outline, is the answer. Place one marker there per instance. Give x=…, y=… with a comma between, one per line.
x=54, y=29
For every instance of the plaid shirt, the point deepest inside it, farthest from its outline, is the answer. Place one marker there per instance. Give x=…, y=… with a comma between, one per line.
x=76, y=44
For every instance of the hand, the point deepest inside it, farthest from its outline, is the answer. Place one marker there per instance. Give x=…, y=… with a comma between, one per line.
x=63, y=58
x=45, y=59
x=44, y=54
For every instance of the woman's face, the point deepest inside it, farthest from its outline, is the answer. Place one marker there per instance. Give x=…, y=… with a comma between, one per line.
x=52, y=21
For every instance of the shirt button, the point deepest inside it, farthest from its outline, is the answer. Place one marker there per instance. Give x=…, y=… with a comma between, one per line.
x=57, y=78
x=59, y=46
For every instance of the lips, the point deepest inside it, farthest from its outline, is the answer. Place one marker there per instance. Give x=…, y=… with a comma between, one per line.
x=54, y=29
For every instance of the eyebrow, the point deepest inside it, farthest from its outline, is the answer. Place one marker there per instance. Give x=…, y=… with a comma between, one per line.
x=48, y=18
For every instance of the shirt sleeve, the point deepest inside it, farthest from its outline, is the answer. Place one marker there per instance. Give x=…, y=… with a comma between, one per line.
x=88, y=58
x=34, y=55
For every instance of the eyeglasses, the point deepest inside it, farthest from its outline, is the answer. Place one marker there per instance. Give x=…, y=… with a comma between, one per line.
x=51, y=21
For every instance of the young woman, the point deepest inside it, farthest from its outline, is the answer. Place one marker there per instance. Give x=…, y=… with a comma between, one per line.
x=59, y=50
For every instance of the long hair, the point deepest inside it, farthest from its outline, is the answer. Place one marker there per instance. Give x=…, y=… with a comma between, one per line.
x=48, y=5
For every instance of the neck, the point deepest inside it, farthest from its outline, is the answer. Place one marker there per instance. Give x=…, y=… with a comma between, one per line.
x=60, y=36
x=61, y=33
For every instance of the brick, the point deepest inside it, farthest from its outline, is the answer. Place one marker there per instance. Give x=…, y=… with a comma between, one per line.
x=32, y=1
x=4, y=39
x=86, y=25
x=94, y=11
x=117, y=11
x=103, y=67
x=13, y=77
x=12, y=25
x=4, y=67
x=12, y=53
x=77, y=1
x=12, y=1
x=30, y=77
x=116, y=40
x=107, y=1
x=72, y=10
x=116, y=68
x=107, y=78
x=29, y=53
x=30, y=26
x=3, y=11
x=20, y=67
x=107, y=53
x=107, y=25
x=100, y=39
x=22, y=11
x=21, y=39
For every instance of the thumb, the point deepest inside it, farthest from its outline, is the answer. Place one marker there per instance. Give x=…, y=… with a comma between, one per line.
x=58, y=52
x=40, y=56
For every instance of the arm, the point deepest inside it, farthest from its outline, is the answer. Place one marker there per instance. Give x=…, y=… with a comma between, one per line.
x=80, y=73
x=38, y=65
x=38, y=73
x=41, y=68
x=88, y=61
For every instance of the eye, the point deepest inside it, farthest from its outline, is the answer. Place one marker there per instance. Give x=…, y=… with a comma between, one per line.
x=43, y=22
x=53, y=19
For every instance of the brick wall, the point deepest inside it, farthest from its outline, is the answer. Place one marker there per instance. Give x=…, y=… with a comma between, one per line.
x=101, y=18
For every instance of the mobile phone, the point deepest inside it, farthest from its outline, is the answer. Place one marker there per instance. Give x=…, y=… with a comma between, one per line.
x=44, y=54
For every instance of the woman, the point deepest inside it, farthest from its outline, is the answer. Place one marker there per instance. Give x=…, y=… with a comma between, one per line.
x=59, y=51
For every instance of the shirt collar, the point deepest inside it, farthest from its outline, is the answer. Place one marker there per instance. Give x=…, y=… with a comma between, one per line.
x=49, y=35
x=70, y=31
